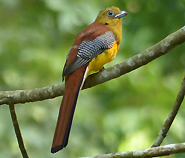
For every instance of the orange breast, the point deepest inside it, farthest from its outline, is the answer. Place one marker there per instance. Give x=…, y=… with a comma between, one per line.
x=98, y=62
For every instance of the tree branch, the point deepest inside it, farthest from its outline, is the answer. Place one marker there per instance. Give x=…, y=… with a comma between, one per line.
x=145, y=153
x=171, y=116
x=39, y=94
x=18, y=131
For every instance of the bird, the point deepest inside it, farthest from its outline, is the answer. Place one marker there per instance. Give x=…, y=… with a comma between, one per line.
x=93, y=47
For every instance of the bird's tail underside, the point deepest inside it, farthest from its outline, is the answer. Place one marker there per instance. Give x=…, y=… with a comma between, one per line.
x=73, y=84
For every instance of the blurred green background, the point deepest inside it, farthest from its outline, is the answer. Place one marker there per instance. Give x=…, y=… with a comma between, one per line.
x=123, y=114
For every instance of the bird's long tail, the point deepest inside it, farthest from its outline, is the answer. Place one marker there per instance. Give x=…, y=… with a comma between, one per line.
x=73, y=84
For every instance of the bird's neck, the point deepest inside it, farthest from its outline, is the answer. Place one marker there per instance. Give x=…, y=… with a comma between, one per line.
x=117, y=31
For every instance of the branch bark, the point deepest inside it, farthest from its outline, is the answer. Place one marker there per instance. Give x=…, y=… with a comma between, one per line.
x=39, y=94
x=146, y=153
x=171, y=117
x=18, y=131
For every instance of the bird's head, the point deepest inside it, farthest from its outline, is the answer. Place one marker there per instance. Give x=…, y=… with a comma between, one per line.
x=110, y=16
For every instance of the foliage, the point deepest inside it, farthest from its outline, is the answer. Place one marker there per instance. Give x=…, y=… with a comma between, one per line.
x=122, y=114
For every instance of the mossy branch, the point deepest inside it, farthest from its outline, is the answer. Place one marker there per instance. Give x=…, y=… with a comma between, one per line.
x=147, y=153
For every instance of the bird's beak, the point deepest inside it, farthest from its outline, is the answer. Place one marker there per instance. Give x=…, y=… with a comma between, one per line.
x=121, y=14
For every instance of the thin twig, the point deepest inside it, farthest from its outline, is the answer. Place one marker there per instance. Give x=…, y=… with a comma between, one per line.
x=145, y=153
x=18, y=131
x=171, y=116
x=141, y=59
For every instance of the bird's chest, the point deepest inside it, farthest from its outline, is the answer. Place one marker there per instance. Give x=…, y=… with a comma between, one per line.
x=99, y=61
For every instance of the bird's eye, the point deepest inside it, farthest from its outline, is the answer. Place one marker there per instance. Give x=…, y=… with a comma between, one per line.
x=110, y=13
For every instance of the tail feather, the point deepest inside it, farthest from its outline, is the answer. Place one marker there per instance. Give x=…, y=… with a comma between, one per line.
x=73, y=84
